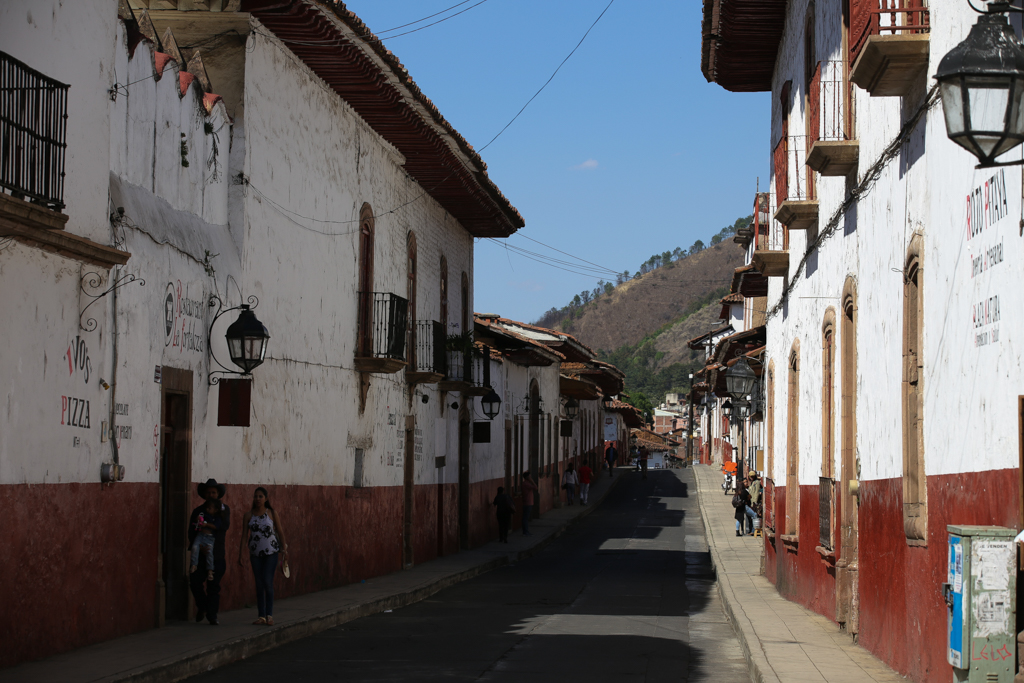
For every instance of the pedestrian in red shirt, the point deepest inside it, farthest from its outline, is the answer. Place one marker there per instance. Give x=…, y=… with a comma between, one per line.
x=585, y=475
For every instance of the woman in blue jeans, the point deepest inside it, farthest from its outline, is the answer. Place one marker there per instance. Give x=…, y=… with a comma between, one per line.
x=261, y=530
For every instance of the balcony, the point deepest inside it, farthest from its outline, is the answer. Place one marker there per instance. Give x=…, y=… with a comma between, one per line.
x=771, y=239
x=33, y=132
x=833, y=151
x=383, y=327
x=459, y=370
x=479, y=378
x=427, y=360
x=888, y=45
x=794, y=184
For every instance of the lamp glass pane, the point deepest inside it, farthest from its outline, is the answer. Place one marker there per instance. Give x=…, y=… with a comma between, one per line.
x=1017, y=110
x=987, y=143
x=952, y=106
x=987, y=100
x=235, y=349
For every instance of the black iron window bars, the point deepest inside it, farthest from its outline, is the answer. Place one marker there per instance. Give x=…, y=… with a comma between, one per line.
x=383, y=325
x=33, y=132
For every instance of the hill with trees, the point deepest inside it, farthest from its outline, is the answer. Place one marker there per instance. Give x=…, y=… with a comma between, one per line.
x=642, y=322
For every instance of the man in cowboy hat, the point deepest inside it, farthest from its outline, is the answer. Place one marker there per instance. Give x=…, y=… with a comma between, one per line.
x=207, y=592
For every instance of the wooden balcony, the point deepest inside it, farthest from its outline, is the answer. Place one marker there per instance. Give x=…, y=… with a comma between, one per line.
x=771, y=248
x=888, y=45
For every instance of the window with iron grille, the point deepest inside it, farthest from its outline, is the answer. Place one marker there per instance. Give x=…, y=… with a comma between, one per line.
x=825, y=486
x=385, y=332
x=33, y=132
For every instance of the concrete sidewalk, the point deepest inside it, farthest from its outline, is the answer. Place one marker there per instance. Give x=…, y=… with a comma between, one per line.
x=183, y=649
x=781, y=640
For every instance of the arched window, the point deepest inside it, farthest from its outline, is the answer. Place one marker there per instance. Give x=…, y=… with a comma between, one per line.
x=410, y=294
x=793, y=443
x=365, y=314
x=915, y=486
x=828, y=387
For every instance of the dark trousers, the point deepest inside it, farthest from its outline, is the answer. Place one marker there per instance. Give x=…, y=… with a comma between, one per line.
x=527, y=511
x=504, y=522
x=263, y=568
x=207, y=596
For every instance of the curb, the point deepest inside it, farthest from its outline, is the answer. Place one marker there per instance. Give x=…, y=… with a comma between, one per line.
x=222, y=654
x=757, y=663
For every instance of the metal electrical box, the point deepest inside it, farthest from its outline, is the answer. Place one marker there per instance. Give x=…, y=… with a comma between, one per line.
x=981, y=596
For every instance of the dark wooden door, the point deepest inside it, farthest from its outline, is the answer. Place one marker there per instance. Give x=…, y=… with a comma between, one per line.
x=175, y=487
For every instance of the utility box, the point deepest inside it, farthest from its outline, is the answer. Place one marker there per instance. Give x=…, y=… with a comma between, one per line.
x=981, y=596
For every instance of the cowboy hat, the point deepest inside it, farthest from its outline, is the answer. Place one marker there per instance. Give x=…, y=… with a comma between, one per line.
x=201, y=488
x=752, y=475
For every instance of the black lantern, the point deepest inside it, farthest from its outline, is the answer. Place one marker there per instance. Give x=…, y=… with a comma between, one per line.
x=491, y=404
x=247, y=340
x=572, y=408
x=982, y=85
x=740, y=379
x=727, y=408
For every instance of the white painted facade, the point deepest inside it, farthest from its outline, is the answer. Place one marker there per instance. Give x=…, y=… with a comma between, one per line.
x=970, y=407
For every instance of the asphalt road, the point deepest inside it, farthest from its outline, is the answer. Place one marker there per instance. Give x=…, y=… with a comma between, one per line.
x=627, y=594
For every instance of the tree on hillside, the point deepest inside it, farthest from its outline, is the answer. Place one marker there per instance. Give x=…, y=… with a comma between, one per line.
x=585, y=296
x=608, y=287
x=697, y=247
x=678, y=253
x=666, y=258
x=576, y=302
x=641, y=402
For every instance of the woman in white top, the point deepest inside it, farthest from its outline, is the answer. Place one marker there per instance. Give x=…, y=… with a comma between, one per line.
x=569, y=482
x=261, y=530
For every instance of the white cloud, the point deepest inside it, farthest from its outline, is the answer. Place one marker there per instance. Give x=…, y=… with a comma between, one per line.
x=588, y=165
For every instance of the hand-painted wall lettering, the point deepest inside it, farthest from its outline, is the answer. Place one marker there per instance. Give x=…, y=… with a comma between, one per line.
x=78, y=359
x=183, y=319
x=74, y=412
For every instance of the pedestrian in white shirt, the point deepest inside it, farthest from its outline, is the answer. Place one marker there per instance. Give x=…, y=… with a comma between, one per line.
x=569, y=483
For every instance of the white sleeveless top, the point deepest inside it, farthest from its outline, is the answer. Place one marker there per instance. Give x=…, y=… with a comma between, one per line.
x=262, y=537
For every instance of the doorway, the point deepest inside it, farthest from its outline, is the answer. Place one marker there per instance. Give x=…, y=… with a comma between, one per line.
x=175, y=484
x=464, y=482
x=409, y=481
x=848, y=589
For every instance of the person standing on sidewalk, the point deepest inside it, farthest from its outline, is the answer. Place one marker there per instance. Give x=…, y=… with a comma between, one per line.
x=206, y=591
x=643, y=455
x=610, y=456
x=569, y=482
x=529, y=489
x=505, y=508
x=262, y=531
x=585, y=474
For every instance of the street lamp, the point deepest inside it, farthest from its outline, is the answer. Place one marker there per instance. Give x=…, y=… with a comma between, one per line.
x=491, y=404
x=740, y=379
x=247, y=340
x=981, y=81
x=727, y=408
x=572, y=408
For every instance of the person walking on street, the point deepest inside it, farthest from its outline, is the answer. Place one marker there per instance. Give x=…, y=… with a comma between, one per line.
x=585, y=475
x=643, y=455
x=206, y=591
x=261, y=530
x=505, y=508
x=529, y=489
x=569, y=482
x=610, y=456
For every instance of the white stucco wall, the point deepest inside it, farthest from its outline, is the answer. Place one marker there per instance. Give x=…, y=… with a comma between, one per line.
x=970, y=404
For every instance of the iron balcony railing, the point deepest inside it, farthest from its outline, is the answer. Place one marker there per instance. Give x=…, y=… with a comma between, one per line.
x=825, y=488
x=480, y=361
x=382, y=325
x=793, y=179
x=460, y=366
x=428, y=347
x=830, y=103
x=884, y=17
x=769, y=234
x=33, y=132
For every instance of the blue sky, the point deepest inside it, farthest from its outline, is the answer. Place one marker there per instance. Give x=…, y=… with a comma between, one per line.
x=627, y=153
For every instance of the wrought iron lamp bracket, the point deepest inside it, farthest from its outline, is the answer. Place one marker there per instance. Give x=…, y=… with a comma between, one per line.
x=215, y=301
x=93, y=281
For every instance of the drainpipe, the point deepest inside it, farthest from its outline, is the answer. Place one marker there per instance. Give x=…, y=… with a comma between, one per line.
x=110, y=473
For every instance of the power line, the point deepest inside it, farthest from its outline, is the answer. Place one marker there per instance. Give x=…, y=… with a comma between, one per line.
x=399, y=35
x=607, y=7
x=429, y=16
x=566, y=253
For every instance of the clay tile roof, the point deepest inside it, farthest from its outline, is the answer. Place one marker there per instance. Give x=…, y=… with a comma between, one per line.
x=735, y=298
x=339, y=48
